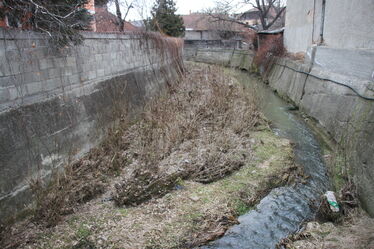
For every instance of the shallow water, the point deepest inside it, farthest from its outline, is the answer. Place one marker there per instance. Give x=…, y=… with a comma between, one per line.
x=282, y=211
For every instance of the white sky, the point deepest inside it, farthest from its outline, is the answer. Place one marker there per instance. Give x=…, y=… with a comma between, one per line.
x=183, y=7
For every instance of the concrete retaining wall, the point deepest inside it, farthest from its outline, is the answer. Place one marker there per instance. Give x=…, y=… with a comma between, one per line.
x=226, y=57
x=348, y=118
x=56, y=104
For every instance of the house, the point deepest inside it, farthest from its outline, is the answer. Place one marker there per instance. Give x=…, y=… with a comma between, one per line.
x=252, y=17
x=108, y=22
x=204, y=27
x=203, y=30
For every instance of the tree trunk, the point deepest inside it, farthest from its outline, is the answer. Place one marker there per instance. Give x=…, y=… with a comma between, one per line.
x=119, y=16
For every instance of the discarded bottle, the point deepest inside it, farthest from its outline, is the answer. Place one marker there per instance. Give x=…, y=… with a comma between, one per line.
x=330, y=196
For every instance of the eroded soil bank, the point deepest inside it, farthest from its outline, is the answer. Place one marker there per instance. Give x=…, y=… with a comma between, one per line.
x=197, y=157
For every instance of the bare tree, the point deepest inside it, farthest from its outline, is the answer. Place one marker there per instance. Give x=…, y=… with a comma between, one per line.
x=269, y=12
x=59, y=19
x=127, y=5
x=143, y=8
x=265, y=8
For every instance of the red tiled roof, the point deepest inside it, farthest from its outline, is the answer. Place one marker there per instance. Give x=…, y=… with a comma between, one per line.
x=107, y=22
x=199, y=21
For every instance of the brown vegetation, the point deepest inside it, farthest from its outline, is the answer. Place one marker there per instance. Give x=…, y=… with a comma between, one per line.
x=271, y=48
x=201, y=113
x=191, y=138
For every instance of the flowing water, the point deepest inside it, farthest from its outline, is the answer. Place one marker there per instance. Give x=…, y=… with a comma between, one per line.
x=284, y=209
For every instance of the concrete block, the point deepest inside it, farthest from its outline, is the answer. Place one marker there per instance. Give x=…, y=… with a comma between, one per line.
x=39, y=53
x=71, y=61
x=13, y=55
x=99, y=58
x=6, y=81
x=16, y=92
x=15, y=67
x=91, y=75
x=83, y=77
x=45, y=64
x=74, y=79
x=10, y=45
x=59, y=61
x=34, y=88
x=4, y=67
x=66, y=71
x=32, y=77
x=54, y=73
x=52, y=84
x=100, y=72
x=4, y=94
x=30, y=65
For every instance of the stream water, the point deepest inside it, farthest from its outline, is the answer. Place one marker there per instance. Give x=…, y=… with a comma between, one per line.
x=284, y=209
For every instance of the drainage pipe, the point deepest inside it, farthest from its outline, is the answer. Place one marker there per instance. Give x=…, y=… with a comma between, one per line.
x=322, y=21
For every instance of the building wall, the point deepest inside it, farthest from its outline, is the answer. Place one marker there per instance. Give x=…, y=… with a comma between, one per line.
x=301, y=29
x=201, y=35
x=348, y=24
x=55, y=104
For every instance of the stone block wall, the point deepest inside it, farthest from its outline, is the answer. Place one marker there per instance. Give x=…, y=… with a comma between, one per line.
x=55, y=104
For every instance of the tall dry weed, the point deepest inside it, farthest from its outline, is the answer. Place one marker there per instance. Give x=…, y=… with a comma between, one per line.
x=197, y=129
x=207, y=109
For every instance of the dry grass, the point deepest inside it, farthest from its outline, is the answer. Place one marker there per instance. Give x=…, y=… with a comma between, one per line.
x=198, y=148
x=357, y=232
x=271, y=48
x=188, y=216
x=194, y=131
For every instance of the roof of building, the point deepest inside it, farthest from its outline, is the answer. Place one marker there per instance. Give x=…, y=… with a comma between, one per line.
x=108, y=22
x=204, y=22
x=271, y=32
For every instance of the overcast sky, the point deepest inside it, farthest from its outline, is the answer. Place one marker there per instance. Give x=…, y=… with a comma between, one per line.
x=183, y=7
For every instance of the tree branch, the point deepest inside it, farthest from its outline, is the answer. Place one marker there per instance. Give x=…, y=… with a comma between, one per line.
x=276, y=17
x=232, y=20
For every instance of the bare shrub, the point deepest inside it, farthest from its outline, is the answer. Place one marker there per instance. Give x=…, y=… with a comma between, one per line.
x=194, y=129
x=198, y=129
x=78, y=184
x=271, y=48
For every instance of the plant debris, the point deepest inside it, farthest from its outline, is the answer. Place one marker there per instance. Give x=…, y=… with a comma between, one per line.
x=200, y=155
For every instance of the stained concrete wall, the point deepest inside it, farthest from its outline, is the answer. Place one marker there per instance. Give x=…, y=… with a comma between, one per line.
x=56, y=104
x=347, y=117
x=201, y=35
x=348, y=24
x=237, y=58
x=301, y=29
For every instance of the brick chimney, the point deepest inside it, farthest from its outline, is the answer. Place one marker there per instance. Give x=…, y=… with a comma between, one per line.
x=3, y=21
x=90, y=6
